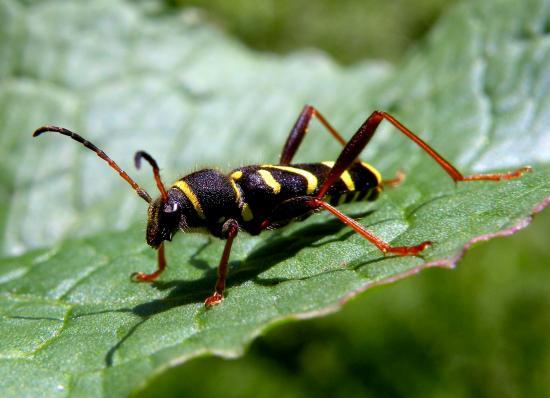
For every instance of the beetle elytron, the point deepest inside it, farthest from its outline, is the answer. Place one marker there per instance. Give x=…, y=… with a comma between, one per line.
x=269, y=196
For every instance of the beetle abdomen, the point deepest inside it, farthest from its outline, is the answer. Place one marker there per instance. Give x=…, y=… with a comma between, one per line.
x=265, y=187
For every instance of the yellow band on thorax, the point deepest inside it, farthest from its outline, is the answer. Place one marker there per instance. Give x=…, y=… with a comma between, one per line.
x=236, y=175
x=187, y=191
x=236, y=189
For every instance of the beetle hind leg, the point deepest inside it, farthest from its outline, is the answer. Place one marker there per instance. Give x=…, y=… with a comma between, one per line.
x=395, y=181
x=384, y=247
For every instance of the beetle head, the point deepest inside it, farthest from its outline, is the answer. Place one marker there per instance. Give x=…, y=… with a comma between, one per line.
x=163, y=219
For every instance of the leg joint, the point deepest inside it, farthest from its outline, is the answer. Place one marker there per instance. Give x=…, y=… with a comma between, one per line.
x=230, y=228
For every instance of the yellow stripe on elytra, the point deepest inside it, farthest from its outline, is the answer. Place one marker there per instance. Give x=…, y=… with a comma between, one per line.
x=310, y=177
x=270, y=181
x=236, y=175
x=187, y=191
x=236, y=189
x=373, y=171
x=345, y=177
x=246, y=213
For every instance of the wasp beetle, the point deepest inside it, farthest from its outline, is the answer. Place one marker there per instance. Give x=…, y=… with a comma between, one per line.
x=269, y=196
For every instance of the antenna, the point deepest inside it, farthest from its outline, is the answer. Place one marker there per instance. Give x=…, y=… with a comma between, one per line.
x=139, y=190
x=156, y=172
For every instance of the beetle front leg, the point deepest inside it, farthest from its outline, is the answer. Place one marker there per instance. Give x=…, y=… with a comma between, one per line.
x=161, y=265
x=230, y=229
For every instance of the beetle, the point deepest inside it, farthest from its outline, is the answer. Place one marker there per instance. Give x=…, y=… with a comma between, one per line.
x=269, y=196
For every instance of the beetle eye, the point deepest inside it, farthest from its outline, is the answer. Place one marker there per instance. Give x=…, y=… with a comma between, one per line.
x=171, y=207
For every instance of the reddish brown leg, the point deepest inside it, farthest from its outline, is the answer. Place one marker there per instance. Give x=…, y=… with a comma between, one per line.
x=498, y=176
x=299, y=130
x=352, y=150
x=161, y=265
x=362, y=137
x=397, y=180
x=379, y=243
x=449, y=168
x=230, y=230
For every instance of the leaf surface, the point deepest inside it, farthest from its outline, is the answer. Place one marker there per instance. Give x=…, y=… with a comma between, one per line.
x=129, y=78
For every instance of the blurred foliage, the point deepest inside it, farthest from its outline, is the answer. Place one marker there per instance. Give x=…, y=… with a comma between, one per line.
x=349, y=30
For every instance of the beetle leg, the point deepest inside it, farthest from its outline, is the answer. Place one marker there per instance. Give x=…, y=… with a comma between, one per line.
x=395, y=181
x=230, y=231
x=161, y=265
x=299, y=131
x=362, y=137
x=379, y=243
x=301, y=204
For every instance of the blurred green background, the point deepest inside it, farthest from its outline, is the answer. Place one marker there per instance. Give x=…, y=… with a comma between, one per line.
x=349, y=30
x=478, y=331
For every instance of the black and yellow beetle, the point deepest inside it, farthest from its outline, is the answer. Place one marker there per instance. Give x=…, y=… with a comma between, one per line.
x=269, y=196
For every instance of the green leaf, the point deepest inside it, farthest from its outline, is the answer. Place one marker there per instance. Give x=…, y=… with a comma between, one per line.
x=130, y=78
